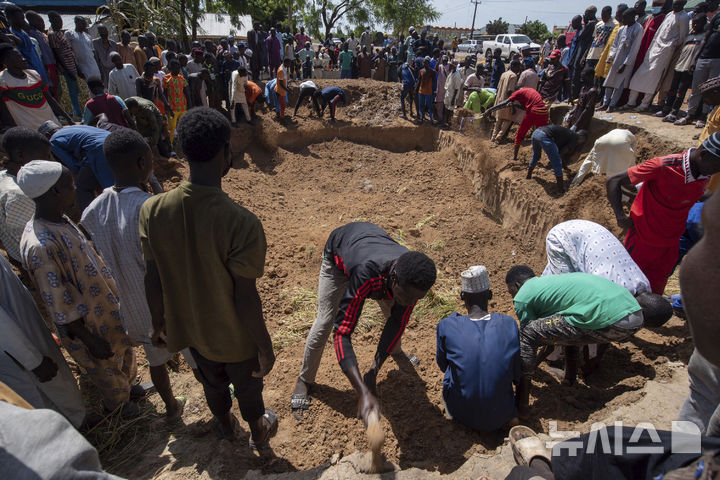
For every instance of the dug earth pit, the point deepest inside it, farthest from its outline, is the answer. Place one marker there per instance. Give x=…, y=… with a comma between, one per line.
x=456, y=198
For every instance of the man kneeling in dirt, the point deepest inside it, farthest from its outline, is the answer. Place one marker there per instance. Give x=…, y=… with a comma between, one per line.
x=480, y=355
x=362, y=261
x=587, y=247
x=571, y=309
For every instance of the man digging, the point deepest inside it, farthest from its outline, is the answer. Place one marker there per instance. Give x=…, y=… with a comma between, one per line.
x=361, y=261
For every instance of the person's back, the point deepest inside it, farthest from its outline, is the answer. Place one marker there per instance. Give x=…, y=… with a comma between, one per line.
x=584, y=300
x=356, y=246
x=482, y=362
x=660, y=209
x=588, y=247
x=112, y=219
x=198, y=236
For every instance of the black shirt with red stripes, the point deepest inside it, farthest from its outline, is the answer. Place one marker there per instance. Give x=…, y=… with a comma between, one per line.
x=367, y=255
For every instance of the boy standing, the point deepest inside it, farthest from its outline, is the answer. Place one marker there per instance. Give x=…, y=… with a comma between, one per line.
x=177, y=93
x=112, y=221
x=78, y=290
x=209, y=302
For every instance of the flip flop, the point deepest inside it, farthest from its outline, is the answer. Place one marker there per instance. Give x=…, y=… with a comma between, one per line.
x=271, y=422
x=299, y=403
x=182, y=400
x=526, y=445
x=415, y=361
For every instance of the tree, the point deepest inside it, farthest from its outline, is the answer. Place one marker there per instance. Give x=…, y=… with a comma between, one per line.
x=497, y=27
x=320, y=17
x=536, y=30
x=399, y=15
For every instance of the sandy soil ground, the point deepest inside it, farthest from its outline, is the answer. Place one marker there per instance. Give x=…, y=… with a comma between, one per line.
x=425, y=188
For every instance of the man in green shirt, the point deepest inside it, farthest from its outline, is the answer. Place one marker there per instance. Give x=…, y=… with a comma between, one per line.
x=345, y=61
x=480, y=100
x=203, y=254
x=571, y=309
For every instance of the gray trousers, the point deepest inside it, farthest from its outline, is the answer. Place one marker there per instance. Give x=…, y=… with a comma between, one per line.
x=705, y=69
x=555, y=330
x=702, y=406
x=331, y=287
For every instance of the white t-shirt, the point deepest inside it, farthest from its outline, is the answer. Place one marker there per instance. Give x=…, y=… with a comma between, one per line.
x=25, y=99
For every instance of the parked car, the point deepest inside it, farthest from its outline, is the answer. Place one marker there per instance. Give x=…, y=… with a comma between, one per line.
x=470, y=46
x=510, y=44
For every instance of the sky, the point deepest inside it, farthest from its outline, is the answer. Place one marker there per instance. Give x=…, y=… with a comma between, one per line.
x=551, y=12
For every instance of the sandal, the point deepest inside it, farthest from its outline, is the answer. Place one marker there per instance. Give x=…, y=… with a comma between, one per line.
x=271, y=422
x=181, y=400
x=299, y=403
x=526, y=445
x=413, y=359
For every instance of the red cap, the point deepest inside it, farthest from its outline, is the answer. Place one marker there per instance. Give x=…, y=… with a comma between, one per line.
x=556, y=53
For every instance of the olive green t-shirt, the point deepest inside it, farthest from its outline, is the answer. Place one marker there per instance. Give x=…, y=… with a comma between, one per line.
x=199, y=238
x=585, y=300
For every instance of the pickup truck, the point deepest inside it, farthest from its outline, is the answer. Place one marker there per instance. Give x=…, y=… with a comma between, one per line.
x=510, y=44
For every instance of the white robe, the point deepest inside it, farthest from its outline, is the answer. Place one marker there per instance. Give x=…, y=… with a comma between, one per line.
x=623, y=51
x=612, y=153
x=24, y=336
x=453, y=88
x=667, y=39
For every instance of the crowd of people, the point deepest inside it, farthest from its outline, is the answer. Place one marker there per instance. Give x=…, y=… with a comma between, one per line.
x=176, y=271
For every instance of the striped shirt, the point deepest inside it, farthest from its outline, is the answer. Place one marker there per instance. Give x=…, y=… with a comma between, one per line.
x=112, y=219
x=16, y=209
x=366, y=254
x=62, y=50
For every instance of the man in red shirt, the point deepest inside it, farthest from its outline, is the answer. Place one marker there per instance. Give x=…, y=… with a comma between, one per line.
x=671, y=186
x=536, y=112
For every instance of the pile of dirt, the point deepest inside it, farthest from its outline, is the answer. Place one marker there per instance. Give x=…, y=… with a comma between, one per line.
x=431, y=201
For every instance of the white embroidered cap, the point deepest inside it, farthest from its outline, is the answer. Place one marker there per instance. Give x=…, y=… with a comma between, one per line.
x=475, y=279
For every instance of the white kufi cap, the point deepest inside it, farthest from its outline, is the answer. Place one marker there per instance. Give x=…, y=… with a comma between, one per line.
x=38, y=176
x=475, y=279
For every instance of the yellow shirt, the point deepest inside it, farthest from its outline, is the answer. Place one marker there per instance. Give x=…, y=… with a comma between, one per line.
x=603, y=68
x=712, y=125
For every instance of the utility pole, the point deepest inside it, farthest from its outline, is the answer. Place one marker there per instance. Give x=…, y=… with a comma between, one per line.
x=472, y=29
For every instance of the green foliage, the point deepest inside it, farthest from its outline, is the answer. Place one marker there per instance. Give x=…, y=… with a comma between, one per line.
x=536, y=30
x=497, y=27
x=267, y=12
x=399, y=15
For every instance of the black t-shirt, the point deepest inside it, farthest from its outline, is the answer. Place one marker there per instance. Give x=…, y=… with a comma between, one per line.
x=711, y=49
x=563, y=137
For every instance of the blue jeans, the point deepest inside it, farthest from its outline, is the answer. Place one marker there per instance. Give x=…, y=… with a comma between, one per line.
x=426, y=103
x=73, y=93
x=345, y=74
x=540, y=142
